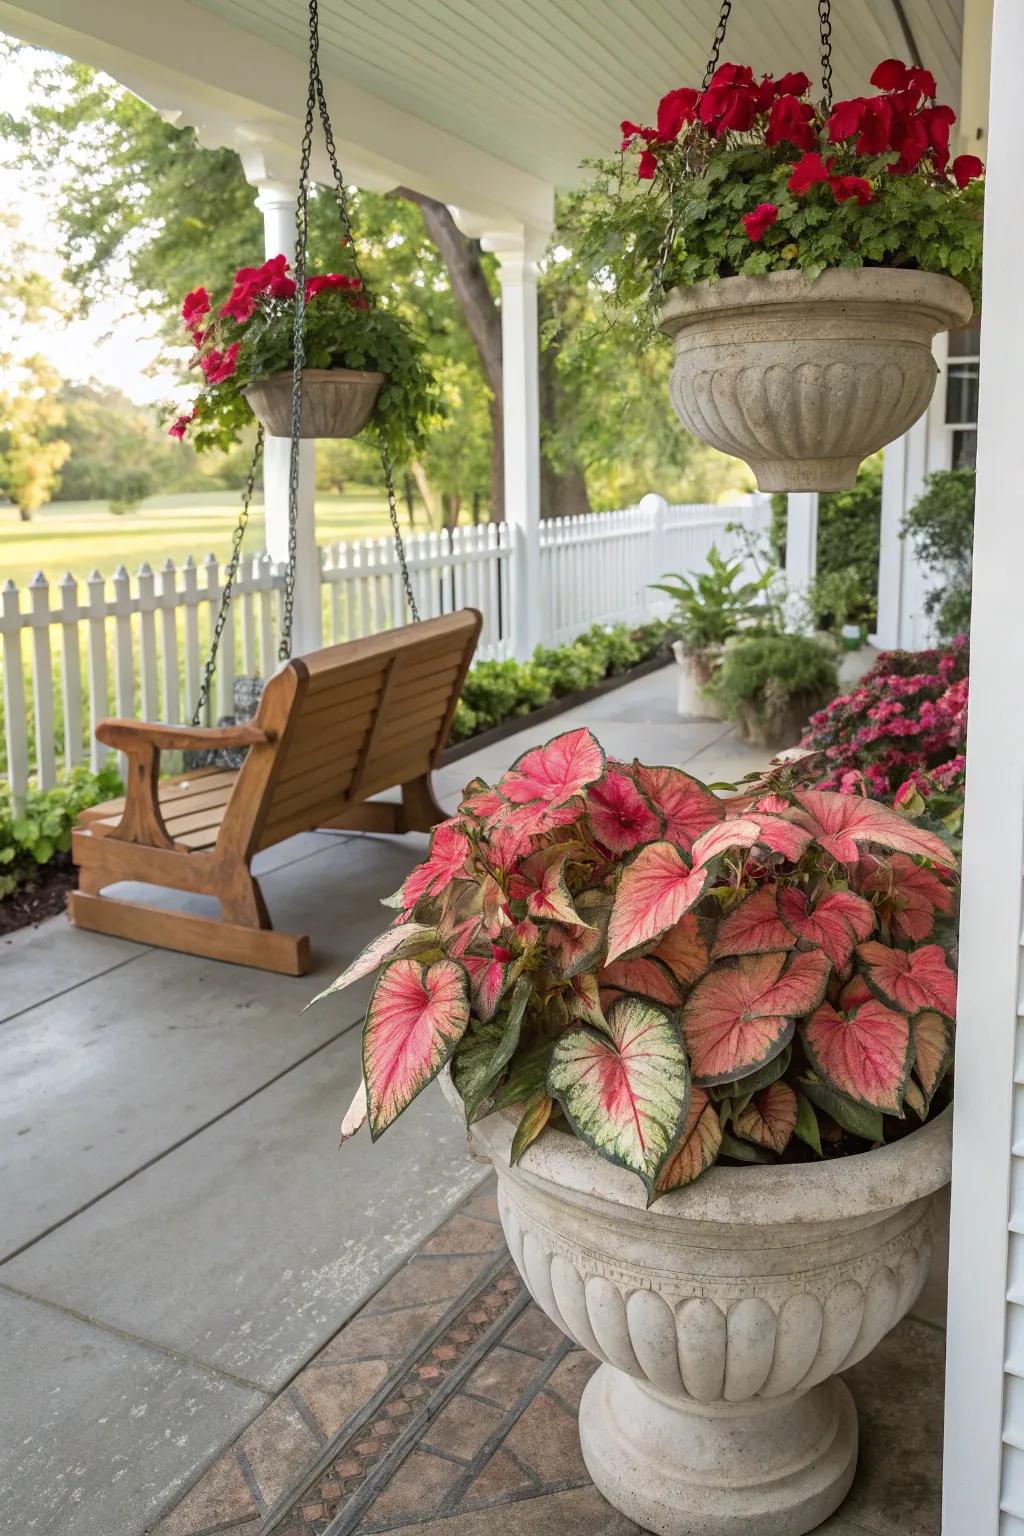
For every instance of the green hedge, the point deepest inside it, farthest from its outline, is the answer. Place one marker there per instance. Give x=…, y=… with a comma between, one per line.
x=496, y=691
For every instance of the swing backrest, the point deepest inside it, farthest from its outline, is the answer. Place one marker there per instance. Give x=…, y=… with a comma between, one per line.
x=349, y=721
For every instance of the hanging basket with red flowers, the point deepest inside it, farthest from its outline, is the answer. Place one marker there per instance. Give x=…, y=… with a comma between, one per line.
x=801, y=254
x=363, y=367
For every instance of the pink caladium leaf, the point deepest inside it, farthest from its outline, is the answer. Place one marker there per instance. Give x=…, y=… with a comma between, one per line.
x=686, y=806
x=448, y=859
x=489, y=979
x=625, y=1093
x=480, y=801
x=910, y=979
x=540, y=881
x=621, y=818
x=645, y=978
x=865, y=1054
x=855, y=992
x=910, y=894
x=696, y=1148
x=753, y=928
x=837, y=922
x=514, y=832
x=654, y=890
x=556, y=772
x=741, y=1015
x=769, y=1120
x=684, y=950
x=354, y=1117
x=579, y=948
x=405, y=939
x=933, y=1051
x=584, y=1000
x=842, y=824
x=416, y=1018
x=737, y=833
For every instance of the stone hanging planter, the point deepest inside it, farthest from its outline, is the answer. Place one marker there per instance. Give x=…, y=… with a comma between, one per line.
x=336, y=402
x=804, y=380
x=721, y=1316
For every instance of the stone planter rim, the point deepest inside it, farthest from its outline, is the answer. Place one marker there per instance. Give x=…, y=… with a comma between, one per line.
x=948, y=299
x=759, y=1195
x=314, y=375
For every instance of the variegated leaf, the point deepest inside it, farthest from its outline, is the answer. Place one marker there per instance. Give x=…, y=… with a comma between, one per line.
x=654, y=890
x=687, y=806
x=910, y=979
x=396, y=942
x=646, y=978
x=769, y=1120
x=753, y=928
x=535, y=1117
x=740, y=1016
x=626, y=1093
x=933, y=1051
x=355, y=1116
x=416, y=1018
x=865, y=1055
x=556, y=772
x=620, y=817
x=835, y=924
x=843, y=824
x=684, y=950
x=696, y=1148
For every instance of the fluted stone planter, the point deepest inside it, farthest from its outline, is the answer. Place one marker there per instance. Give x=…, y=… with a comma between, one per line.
x=336, y=402
x=721, y=1316
x=804, y=380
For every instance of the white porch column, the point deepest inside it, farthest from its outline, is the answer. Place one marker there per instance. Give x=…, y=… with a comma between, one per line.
x=801, y=542
x=983, y=1478
x=276, y=201
x=518, y=270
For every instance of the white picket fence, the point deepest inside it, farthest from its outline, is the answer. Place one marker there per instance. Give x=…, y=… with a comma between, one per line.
x=81, y=651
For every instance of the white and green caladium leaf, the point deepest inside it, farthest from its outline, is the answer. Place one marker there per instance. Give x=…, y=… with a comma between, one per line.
x=400, y=940
x=625, y=1093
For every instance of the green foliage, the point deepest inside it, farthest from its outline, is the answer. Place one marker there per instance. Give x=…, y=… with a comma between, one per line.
x=496, y=691
x=849, y=532
x=762, y=674
x=710, y=607
x=34, y=836
x=941, y=526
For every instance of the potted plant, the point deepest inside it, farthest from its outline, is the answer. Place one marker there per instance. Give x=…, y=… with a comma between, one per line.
x=709, y=609
x=771, y=684
x=363, y=368
x=802, y=258
x=629, y=981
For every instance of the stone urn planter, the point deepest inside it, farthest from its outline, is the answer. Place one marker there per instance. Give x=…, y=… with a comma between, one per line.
x=695, y=672
x=336, y=402
x=721, y=1316
x=804, y=380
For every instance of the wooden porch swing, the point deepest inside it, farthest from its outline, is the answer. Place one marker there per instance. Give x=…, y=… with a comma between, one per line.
x=333, y=729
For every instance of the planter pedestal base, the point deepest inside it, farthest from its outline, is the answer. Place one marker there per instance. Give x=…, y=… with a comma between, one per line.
x=677, y=1467
x=805, y=474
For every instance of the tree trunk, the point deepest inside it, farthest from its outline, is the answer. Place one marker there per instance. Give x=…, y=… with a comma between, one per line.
x=25, y=514
x=563, y=491
x=426, y=491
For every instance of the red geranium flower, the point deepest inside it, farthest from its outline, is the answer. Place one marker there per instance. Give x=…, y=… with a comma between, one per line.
x=937, y=123
x=845, y=187
x=791, y=121
x=808, y=170
x=648, y=165
x=894, y=75
x=218, y=366
x=793, y=84
x=316, y=285
x=179, y=427
x=631, y=131
x=732, y=100
x=965, y=168
x=241, y=302
x=195, y=307
x=762, y=219
x=674, y=109
x=911, y=139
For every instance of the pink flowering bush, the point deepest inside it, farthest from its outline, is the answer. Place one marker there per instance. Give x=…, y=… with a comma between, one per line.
x=669, y=976
x=905, y=721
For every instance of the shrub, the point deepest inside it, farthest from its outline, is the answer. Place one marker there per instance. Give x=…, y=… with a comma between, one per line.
x=940, y=525
x=755, y=978
x=845, y=590
x=711, y=607
x=762, y=676
x=906, y=717
x=33, y=837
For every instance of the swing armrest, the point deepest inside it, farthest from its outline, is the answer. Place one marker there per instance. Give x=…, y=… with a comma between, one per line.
x=131, y=735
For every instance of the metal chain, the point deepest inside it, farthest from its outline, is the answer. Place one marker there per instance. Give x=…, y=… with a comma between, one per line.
x=230, y=573
x=825, y=26
x=389, y=482
x=717, y=41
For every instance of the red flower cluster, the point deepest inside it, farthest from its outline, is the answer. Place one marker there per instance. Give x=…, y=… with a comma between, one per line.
x=896, y=120
x=218, y=366
x=181, y=425
x=762, y=218
x=810, y=169
x=252, y=282
x=315, y=285
x=194, y=310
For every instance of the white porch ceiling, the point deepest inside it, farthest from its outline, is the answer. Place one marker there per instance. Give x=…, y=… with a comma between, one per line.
x=484, y=104
x=544, y=83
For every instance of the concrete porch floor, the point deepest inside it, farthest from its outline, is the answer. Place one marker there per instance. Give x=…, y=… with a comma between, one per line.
x=180, y=1239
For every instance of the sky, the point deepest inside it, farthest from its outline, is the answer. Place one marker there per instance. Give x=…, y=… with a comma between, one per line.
x=113, y=344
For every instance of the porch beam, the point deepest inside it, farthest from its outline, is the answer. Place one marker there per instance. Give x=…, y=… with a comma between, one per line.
x=985, y=1195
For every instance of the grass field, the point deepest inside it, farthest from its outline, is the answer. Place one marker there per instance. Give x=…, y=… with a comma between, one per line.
x=81, y=536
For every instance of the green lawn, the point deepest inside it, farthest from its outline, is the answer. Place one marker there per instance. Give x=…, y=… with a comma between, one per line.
x=80, y=536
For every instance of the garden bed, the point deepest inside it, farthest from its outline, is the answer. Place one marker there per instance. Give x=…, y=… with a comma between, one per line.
x=47, y=896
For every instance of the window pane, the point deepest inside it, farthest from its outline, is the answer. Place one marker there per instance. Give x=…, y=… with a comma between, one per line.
x=965, y=450
x=966, y=342
x=962, y=392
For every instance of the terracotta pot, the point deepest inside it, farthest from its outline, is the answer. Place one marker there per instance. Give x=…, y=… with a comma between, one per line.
x=804, y=379
x=336, y=402
x=695, y=672
x=721, y=1316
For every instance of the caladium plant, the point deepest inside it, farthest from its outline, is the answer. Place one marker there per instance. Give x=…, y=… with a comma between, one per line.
x=674, y=978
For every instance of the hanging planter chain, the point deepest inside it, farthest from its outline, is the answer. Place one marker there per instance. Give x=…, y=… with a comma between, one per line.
x=230, y=572
x=717, y=41
x=316, y=102
x=825, y=27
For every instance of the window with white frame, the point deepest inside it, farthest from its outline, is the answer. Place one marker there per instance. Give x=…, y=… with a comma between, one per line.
x=962, y=396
